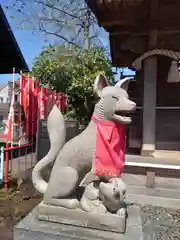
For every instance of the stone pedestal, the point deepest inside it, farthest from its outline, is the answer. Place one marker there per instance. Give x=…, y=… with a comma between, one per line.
x=80, y=218
x=31, y=228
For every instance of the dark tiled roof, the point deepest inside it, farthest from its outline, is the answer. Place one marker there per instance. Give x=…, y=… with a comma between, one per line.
x=10, y=53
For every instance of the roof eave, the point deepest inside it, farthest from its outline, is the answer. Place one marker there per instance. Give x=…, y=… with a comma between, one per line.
x=24, y=64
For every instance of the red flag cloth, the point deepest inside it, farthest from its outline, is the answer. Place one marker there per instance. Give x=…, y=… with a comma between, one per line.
x=8, y=127
x=110, y=148
x=64, y=105
x=34, y=102
x=29, y=96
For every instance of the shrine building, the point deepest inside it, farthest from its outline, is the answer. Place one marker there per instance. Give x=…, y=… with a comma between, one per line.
x=144, y=36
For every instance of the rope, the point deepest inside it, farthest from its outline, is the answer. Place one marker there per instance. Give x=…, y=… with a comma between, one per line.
x=137, y=64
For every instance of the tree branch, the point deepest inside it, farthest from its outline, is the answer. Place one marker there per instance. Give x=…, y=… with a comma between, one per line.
x=67, y=20
x=59, y=36
x=58, y=9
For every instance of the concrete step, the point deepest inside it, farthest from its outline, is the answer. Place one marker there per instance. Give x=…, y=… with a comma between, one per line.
x=165, y=194
x=160, y=182
x=158, y=192
x=162, y=167
x=167, y=154
x=165, y=202
x=167, y=159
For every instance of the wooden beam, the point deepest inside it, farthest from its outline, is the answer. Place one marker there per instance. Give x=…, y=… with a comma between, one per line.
x=113, y=23
x=101, y=4
x=144, y=34
x=118, y=15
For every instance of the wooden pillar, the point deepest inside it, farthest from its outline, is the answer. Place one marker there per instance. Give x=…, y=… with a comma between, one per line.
x=149, y=103
x=149, y=107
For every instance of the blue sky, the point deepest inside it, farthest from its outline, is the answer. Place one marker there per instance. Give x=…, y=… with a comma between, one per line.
x=29, y=43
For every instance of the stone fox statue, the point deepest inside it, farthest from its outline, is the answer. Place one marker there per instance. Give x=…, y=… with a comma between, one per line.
x=76, y=158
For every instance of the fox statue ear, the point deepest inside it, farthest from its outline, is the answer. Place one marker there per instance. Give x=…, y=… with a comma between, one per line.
x=124, y=83
x=99, y=83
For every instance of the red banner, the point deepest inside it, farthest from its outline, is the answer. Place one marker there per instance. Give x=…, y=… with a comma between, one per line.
x=35, y=102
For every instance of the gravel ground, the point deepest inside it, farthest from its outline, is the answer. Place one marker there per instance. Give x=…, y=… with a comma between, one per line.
x=160, y=223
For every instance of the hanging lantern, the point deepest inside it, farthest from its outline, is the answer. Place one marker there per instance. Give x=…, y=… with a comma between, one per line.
x=173, y=75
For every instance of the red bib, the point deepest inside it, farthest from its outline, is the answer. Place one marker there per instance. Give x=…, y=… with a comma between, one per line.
x=110, y=148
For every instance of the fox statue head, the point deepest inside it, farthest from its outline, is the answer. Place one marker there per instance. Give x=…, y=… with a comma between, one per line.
x=114, y=103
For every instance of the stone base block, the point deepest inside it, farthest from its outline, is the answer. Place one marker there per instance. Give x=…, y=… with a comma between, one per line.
x=78, y=217
x=31, y=228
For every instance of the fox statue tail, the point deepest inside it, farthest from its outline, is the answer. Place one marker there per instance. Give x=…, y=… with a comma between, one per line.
x=57, y=134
